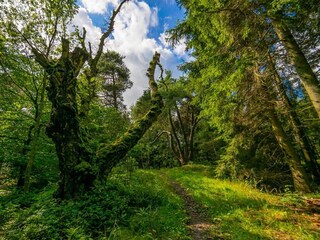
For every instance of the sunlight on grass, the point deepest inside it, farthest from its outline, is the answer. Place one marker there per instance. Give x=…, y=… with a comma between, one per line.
x=240, y=211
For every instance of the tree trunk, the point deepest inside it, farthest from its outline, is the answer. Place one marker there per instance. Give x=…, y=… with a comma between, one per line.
x=307, y=76
x=25, y=151
x=35, y=139
x=75, y=162
x=179, y=154
x=309, y=153
x=300, y=179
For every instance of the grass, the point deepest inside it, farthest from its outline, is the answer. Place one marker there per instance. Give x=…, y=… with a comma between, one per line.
x=241, y=212
x=142, y=206
x=136, y=206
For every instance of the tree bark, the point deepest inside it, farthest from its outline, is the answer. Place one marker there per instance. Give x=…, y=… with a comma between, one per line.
x=303, y=68
x=309, y=152
x=25, y=151
x=300, y=179
x=75, y=162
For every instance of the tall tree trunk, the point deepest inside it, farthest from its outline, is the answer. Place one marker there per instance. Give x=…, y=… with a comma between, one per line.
x=35, y=139
x=74, y=162
x=25, y=151
x=309, y=152
x=303, y=68
x=300, y=179
x=180, y=153
x=194, y=123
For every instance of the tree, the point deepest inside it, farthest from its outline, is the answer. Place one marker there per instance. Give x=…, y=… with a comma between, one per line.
x=298, y=17
x=115, y=76
x=183, y=118
x=230, y=42
x=23, y=86
x=79, y=168
x=302, y=66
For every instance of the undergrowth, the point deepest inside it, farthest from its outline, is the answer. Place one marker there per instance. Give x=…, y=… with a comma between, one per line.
x=139, y=206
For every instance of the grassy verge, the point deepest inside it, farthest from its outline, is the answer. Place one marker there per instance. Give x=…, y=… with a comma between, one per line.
x=139, y=206
x=241, y=212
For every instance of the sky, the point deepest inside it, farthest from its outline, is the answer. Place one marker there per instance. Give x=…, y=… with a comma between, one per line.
x=139, y=30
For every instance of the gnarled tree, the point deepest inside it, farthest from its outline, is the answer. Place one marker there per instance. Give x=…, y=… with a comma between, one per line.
x=79, y=168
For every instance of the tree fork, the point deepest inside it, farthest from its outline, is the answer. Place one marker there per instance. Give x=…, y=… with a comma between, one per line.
x=75, y=162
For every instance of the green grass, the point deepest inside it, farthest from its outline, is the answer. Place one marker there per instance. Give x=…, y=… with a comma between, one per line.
x=241, y=212
x=131, y=206
x=142, y=206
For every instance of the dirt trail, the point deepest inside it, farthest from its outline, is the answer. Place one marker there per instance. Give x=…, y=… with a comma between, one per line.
x=198, y=223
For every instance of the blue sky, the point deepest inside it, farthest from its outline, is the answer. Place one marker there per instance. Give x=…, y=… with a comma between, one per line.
x=139, y=31
x=168, y=15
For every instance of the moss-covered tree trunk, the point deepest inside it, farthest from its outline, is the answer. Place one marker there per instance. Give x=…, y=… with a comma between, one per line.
x=64, y=128
x=110, y=155
x=303, y=68
x=75, y=162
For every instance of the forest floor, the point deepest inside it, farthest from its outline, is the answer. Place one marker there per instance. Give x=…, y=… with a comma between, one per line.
x=235, y=210
x=178, y=204
x=198, y=222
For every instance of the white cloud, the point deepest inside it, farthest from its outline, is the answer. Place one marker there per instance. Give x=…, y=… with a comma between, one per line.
x=154, y=17
x=83, y=20
x=179, y=49
x=130, y=39
x=98, y=6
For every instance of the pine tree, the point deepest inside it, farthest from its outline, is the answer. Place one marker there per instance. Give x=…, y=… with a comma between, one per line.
x=116, y=79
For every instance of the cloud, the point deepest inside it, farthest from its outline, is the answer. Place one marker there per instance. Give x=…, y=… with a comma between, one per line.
x=99, y=6
x=130, y=38
x=179, y=49
x=83, y=20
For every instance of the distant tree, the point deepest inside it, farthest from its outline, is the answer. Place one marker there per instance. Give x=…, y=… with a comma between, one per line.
x=116, y=79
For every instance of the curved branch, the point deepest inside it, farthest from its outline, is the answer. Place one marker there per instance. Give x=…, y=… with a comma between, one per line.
x=105, y=35
x=110, y=155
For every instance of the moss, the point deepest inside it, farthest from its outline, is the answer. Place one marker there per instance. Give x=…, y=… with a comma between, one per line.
x=111, y=155
x=83, y=167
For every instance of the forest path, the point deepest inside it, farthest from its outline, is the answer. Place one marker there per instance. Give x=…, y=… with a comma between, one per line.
x=198, y=223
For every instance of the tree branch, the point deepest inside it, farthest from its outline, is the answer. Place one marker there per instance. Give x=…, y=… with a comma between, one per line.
x=105, y=35
x=110, y=155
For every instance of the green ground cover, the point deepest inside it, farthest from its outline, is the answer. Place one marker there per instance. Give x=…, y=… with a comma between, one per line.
x=142, y=205
x=131, y=206
x=242, y=212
